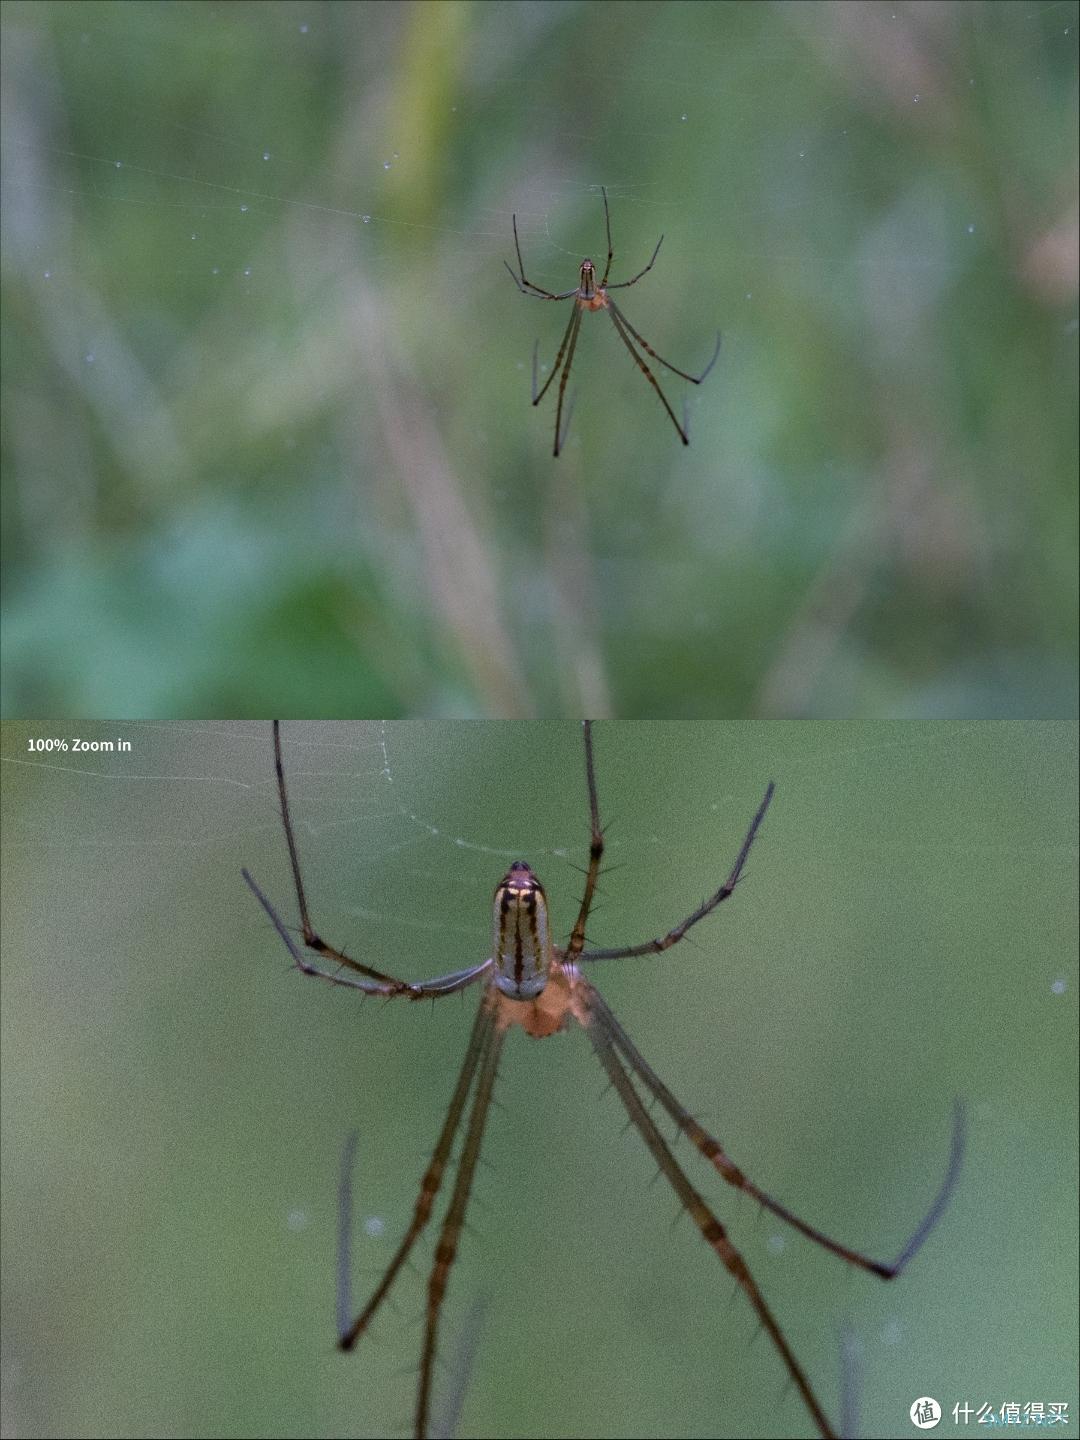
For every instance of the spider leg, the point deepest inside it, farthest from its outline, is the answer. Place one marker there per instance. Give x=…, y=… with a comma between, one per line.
x=596, y=852
x=370, y=981
x=711, y=1229
x=344, y=1245
x=479, y=1042
x=850, y=1380
x=526, y=286
x=491, y=1042
x=607, y=227
x=373, y=982
x=656, y=947
x=648, y=374
x=445, y=1423
x=569, y=420
x=311, y=939
x=559, y=435
x=942, y=1198
x=623, y=284
x=714, y=1152
x=538, y=395
x=694, y=379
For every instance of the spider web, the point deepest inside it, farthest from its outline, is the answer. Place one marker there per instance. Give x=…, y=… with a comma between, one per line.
x=175, y=1097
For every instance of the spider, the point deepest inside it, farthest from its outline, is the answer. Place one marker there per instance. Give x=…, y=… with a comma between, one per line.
x=531, y=983
x=590, y=296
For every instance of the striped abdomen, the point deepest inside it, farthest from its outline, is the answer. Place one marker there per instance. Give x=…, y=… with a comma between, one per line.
x=522, y=950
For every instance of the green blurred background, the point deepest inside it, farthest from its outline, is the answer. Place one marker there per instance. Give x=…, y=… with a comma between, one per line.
x=267, y=441
x=175, y=1098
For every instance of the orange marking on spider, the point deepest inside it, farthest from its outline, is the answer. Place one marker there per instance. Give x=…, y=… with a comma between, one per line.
x=589, y=295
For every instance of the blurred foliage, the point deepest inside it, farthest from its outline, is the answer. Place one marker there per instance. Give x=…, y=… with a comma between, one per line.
x=267, y=441
x=175, y=1097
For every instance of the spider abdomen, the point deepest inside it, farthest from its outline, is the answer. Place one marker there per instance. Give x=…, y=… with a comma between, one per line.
x=522, y=938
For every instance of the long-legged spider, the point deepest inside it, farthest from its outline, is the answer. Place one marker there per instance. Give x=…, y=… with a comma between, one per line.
x=588, y=295
x=530, y=982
